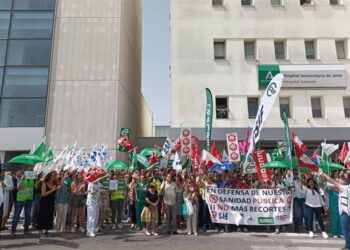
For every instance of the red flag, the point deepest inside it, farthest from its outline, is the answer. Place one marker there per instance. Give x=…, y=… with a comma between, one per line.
x=343, y=153
x=305, y=162
x=214, y=152
x=299, y=145
x=260, y=158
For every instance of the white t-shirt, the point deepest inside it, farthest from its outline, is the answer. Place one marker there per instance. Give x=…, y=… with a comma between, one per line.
x=298, y=193
x=93, y=199
x=169, y=193
x=343, y=201
x=313, y=198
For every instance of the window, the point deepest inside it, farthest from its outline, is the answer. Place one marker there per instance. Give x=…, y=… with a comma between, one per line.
x=346, y=101
x=276, y=2
x=334, y=2
x=29, y=52
x=249, y=50
x=302, y=2
x=279, y=50
x=246, y=2
x=253, y=105
x=284, y=106
x=221, y=108
x=1, y=74
x=22, y=112
x=25, y=82
x=5, y=4
x=219, y=50
x=310, y=50
x=217, y=2
x=31, y=24
x=2, y=51
x=316, y=107
x=339, y=45
x=34, y=4
x=4, y=23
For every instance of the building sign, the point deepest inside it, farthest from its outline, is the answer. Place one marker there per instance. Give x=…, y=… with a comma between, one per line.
x=304, y=76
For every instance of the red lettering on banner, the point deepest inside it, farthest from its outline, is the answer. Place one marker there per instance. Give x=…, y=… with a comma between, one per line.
x=223, y=207
x=260, y=159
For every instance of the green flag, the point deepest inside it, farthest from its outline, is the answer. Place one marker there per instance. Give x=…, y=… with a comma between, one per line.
x=288, y=155
x=208, y=118
x=40, y=150
x=48, y=156
x=133, y=163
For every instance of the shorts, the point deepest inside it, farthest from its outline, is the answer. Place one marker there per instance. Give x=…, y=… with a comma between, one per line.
x=77, y=201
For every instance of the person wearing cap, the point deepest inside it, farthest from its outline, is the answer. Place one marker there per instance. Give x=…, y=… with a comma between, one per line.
x=24, y=198
x=117, y=198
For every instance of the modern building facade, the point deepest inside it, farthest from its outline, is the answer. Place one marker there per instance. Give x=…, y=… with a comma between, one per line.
x=235, y=47
x=71, y=71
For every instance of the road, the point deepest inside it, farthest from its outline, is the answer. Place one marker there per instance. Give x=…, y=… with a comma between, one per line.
x=133, y=240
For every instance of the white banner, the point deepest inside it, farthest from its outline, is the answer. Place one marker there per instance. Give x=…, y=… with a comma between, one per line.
x=185, y=138
x=166, y=151
x=233, y=147
x=265, y=107
x=250, y=206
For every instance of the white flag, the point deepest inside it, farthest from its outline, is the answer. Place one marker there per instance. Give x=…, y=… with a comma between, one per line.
x=177, y=162
x=206, y=156
x=265, y=107
x=225, y=157
x=329, y=149
x=166, y=151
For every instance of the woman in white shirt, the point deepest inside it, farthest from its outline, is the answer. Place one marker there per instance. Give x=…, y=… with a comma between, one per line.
x=313, y=204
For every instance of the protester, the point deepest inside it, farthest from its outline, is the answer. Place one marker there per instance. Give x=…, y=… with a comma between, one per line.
x=92, y=203
x=104, y=210
x=149, y=213
x=281, y=186
x=47, y=203
x=299, y=211
x=78, y=190
x=2, y=186
x=179, y=199
x=117, y=198
x=169, y=189
x=24, y=199
x=344, y=210
x=62, y=201
x=314, y=204
x=333, y=206
x=158, y=182
x=36, y=200
x=8, y=186
x=141, y=188
x=190, y=199
x=132, y=197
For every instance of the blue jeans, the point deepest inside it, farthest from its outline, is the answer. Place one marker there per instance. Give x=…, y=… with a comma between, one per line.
x=310, y=211
x=19, y=205
x=299, y=213
x=345, y=222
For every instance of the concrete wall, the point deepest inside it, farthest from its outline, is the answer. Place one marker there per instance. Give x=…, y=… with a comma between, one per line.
x=95, y=86
x=196, y=23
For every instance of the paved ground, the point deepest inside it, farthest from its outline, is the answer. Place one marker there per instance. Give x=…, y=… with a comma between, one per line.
x=130, y=240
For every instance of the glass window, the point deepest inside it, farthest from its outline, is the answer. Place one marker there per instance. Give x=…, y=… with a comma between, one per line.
x=249, y=50
x=3, y=44
x=4, y=23
x=279, y=50
x=25, y=82
x=302, y=2
x=221, y=108
x=333, y=2
x=219, y=50
x=316, y=107
x=217, y=2
x=29, y=52
x=31, y=24
x=1, y=74
x=340, y=49
x=5, y=4
x=253, y=105
x=284, y=106
x=346, y=101
x=310, y=50
x=34, y=4
x=22, y=112
x=276, y=2
x=246, y=2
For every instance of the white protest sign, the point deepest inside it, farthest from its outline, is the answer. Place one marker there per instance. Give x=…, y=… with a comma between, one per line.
x=113, y=185
x=30, y=175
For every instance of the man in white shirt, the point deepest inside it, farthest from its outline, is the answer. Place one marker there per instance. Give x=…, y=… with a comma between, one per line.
x=344, y=208
x=169, y=188
x=299, y=212
x=93, y=204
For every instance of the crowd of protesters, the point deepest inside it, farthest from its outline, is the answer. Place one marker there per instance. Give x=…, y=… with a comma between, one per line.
x=145, y=199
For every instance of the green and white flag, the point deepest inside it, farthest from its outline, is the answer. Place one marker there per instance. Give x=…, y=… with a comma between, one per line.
x=265, y=107
x=208, y=118
x=288, y=155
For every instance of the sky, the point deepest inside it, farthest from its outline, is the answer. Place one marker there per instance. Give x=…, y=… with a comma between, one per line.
x=156, y=59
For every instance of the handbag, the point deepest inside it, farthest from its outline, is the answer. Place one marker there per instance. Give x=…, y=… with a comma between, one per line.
x=184, y=209
x=190, y=209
